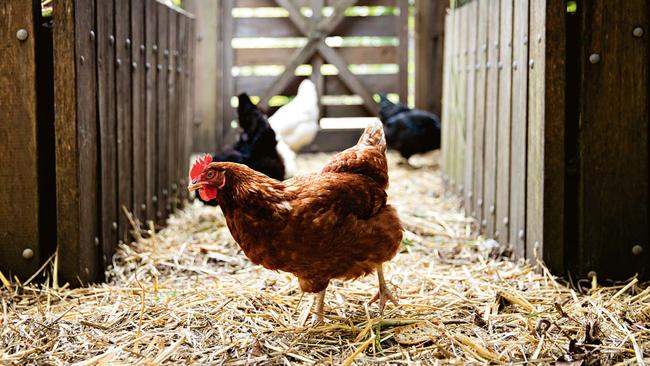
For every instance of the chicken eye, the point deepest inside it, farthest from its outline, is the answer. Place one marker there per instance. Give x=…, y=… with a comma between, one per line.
x=210, y=174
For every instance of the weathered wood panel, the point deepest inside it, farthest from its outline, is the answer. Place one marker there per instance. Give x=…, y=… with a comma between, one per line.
x=402, y=33
x=124, y=116
x=446, y=140
x=107, y=126
x=353, y=26
x=162, y=112
x=278, y=56
x=306, y=3
x=519, y=128
x=19, y=193
x=151, y=110
x=429, y=47
x=480, y=100
x=491, y=118
x=172, y=114
x=138, y=92
x=614, y=139
x=256, y=85
x=470, y=113
x=502, y=231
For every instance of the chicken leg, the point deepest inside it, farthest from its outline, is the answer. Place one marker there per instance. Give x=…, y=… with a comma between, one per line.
x=320, y=304
x=384, y=294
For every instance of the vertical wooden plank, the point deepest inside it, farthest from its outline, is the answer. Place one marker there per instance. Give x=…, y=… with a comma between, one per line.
x=172, y=108
x=519, y=128
x=151, y=109
x=18, y=191
x=491, y=118
x=479, y=120
x=317, y=60
x=457, y=100
x=208, y=124
x=447, y=97
x=123, y=114
x=403, y=49
x=162, y=140
x=229, y=113
x=192, y=29
x=614, y=139
x=138, y=89
x=470, y=112
x=502, y=232
x=107, y=126
x=461, y=96
x=183, y=100
x=429, y=47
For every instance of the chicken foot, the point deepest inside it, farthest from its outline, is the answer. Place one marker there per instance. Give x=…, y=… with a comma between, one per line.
x=384, y=294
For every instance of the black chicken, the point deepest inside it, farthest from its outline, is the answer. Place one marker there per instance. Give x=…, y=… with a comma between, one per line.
x=409, y=131
x=256, y=146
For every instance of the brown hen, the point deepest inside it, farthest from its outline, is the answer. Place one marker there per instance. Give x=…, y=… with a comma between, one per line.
x=334, y=224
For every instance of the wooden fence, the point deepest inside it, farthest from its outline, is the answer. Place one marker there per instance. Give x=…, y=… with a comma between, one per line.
x=545, y=133
x=389, y=24
x=119, y=78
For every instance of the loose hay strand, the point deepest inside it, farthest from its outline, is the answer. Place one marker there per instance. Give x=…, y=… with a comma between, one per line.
x=187, y=295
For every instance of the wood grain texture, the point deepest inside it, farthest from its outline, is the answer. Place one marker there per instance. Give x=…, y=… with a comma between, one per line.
x=107, y=127
x=352, y=26
x=151, y=110
x=351, y=55
x=519, y=129
x=470, y=113
x=614, y=140
x=18, y=152
x=429, y=50
x=256, y=85
x=138, y=97
x=480, y=115
x=162, y=142
x=172, y=112
x=502, y=232
x=446, y=87
x=491, y=118
x=229, y=113
x=402, y=32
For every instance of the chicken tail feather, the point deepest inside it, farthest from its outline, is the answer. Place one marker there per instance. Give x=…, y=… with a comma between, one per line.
x=373, y=135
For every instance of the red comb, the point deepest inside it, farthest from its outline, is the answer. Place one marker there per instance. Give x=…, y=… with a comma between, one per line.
x=199, y=165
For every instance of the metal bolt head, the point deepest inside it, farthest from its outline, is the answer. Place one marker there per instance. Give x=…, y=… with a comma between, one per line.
x=158, y=214
x=525, y=40
x=506, y=221
x=118, y=62
x=496, y=44
x=147, y=65
x=134, y=65
x=83, y=59
x=22, y=34
x=470, y=195
x=165, y=192
x=166, y=53
x=521, y=234
x=111, y=40
x=92, y=35
x=96, y=241
x=496, y=234
x=142, y=48
x=638, y=32
x=127, y=43
x=484, y=47
x=514, y=65
x=143, y=207
x=154, y=199
x=531, y=63
x=28, y=253
x=500, y=65
x=154, y=48
x=637, y=250
x=594, y=58
x=479, y=202
x=159, y=67
x=492, y=209
x=178, y=69
x=539, y=38
x=488, y=65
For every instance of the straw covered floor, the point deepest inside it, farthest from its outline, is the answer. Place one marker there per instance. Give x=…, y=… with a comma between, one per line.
x=188, y=295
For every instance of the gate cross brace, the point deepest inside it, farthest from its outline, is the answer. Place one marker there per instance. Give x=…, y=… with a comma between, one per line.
x=316, y=30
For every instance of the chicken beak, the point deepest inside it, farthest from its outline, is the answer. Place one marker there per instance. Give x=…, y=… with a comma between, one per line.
x=194, y=186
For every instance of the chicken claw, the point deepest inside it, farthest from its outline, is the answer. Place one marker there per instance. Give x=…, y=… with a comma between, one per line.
x=384, y=294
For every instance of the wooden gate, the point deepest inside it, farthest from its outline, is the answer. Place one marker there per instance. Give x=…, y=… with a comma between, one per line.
x=321, y=33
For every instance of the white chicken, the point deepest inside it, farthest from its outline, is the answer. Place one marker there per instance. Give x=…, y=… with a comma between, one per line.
x=296, y=123
x=288, y=157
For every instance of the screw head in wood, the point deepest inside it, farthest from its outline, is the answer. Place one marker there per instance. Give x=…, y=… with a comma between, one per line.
x=178, y=69
x=96, y=241
x=514, y=65
x=118, y=62
x=92, y=35
x=169, y=68
x=594, y=58
x=166, y=52
x=134, y=65
x=496, y=44
x=500, y=65
x=154, y=48
x=591, y=274
x=496, y=234
x=506, y=221
x=531, y=63
x=525, y=40
x=111, y=40
x=165, y=192
x=174, y=187
x=492, y=209
x=142, y=48
x=637, y=250
x=114, y=226
x=487, y=65
x=143, y=207
x=469, y=195
x=28, y=253
x=159, y=67
x=484, y=223
x=127, y=43
x=175, y=53
x=479, y=202
x=22, y=34
x=154, y=199
x=638, y=32
x=82, y=59
x=147, y=65
x=521, y=234
x=158, y=214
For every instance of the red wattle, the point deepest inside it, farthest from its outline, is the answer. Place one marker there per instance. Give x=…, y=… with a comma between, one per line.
x=208, y=194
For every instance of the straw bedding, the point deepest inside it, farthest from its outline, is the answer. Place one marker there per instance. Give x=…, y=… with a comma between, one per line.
x=188, y=295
